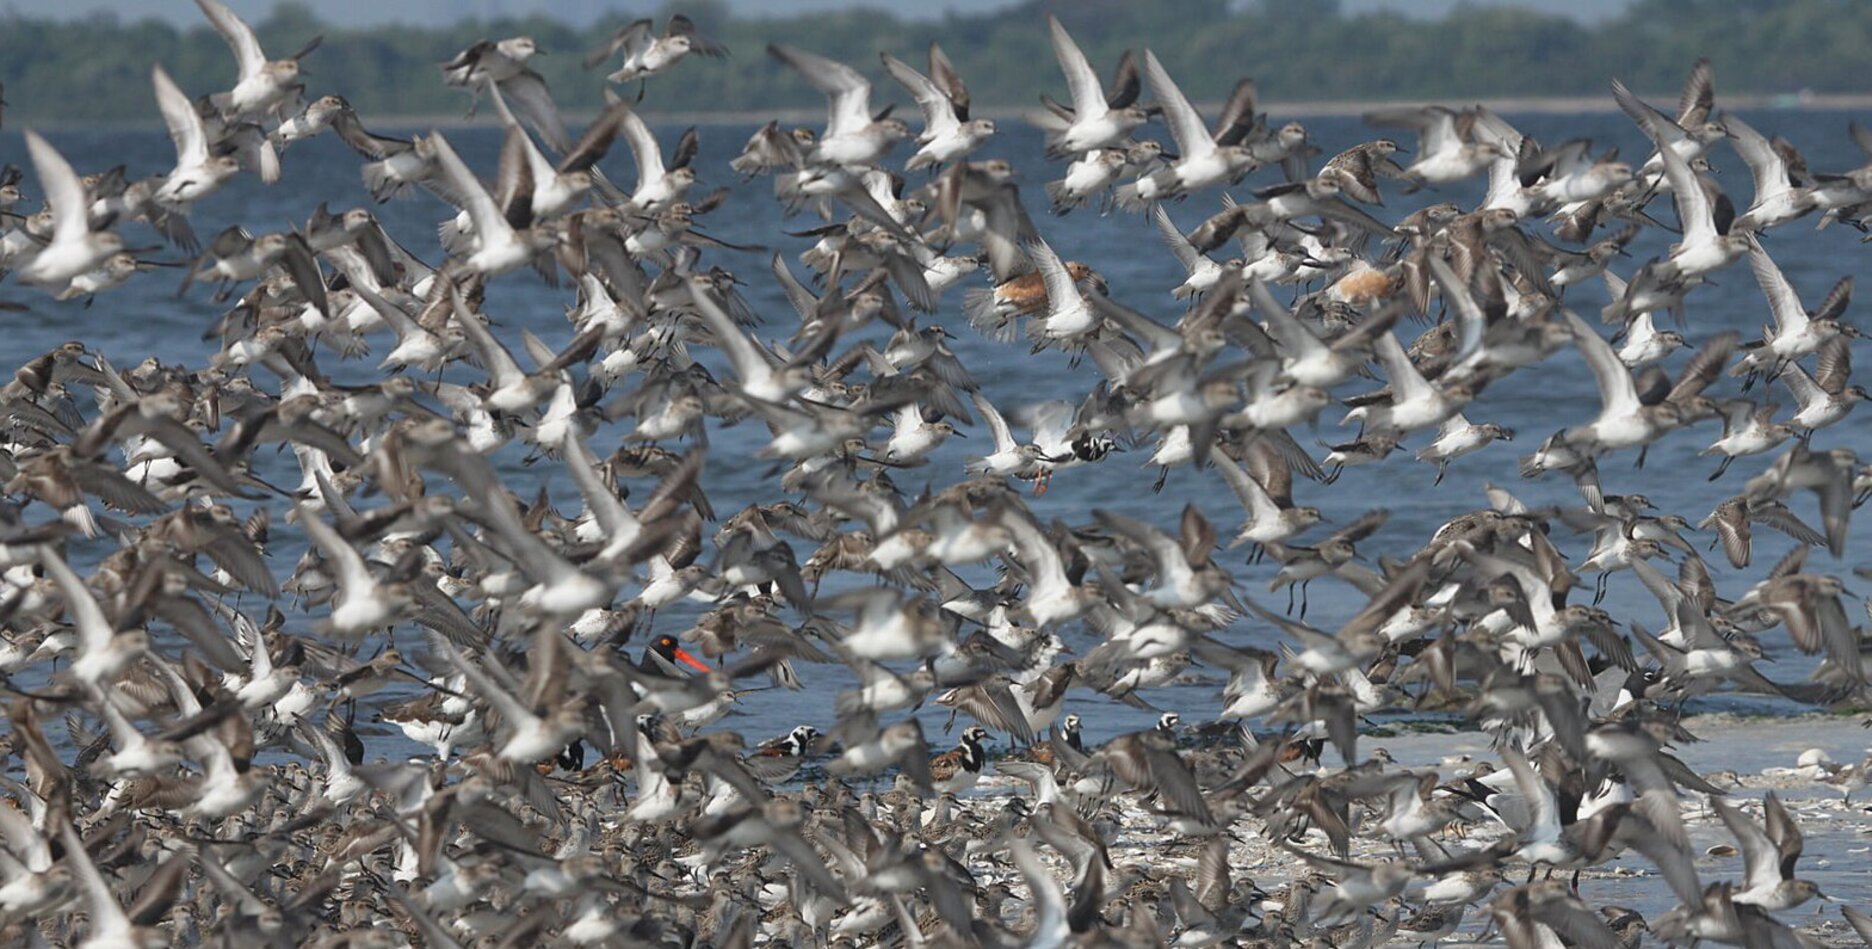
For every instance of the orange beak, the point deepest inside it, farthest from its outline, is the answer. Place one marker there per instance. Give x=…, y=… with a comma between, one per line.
x=694, y=663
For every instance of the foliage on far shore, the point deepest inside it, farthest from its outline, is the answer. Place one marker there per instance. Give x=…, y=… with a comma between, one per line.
x=97, y=69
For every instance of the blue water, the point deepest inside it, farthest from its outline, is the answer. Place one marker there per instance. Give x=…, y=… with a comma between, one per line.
x=148, y=319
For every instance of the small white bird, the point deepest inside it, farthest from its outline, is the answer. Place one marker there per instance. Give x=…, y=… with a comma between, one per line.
x=497, y=245
x=1093, y=122
x=197, y=171
x=263, y=84
x=75, y=248
x=852, y=136
x=646, y=54
x=948, y=133
x=1068, y=315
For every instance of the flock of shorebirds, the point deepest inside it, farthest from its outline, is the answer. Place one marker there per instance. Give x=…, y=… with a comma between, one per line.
x=185, y=718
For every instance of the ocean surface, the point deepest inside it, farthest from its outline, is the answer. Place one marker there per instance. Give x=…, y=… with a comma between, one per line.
x=149, y=319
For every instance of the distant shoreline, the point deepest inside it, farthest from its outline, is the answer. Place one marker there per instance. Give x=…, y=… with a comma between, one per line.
x=1525, y=105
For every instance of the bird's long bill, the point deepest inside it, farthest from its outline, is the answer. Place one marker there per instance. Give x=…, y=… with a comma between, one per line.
x=684, y=655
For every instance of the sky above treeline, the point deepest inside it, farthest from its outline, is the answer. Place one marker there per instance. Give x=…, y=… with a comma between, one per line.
x=372, y=12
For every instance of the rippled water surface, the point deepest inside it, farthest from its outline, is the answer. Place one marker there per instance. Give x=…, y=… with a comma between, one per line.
x=149, y=320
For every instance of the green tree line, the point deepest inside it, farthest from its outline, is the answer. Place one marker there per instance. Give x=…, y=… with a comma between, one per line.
x=97, y=69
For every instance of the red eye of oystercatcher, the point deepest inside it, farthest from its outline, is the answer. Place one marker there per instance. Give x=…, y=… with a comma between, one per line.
x=667, y=648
